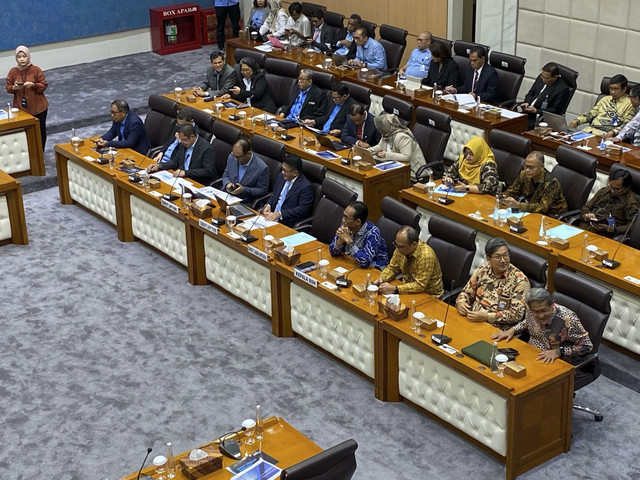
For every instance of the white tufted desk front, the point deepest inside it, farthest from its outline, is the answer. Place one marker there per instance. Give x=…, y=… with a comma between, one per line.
x=522, y=422
x=21, y=145
x=13, y=225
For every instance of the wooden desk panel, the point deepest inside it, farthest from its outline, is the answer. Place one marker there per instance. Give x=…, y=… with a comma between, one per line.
x=11, y=189
x=31, y=127
x=281, y=441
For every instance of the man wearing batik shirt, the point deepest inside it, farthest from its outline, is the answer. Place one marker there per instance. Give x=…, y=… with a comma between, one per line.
x=495, y=292
x=554, y=329
x=359, y=238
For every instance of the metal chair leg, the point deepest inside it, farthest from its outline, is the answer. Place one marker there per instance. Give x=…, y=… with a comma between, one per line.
x=596, y=414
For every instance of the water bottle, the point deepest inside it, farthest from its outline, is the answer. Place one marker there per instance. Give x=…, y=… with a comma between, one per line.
x=259, y=423
x=496, y=213
x=542, y=233
x=171, y=466
x=611, y=224
x=494, y=353
x=319, y=257
x=9, y=112
x=584, y=253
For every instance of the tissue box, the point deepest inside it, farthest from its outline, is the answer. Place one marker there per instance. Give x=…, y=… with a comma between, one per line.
x=420, y=188
x=200, y=211
x=614, y=150
x=514, y=369
x=241, y=230
x=360, y=289
x=394, y=313
x=191, y=99
x=288, y=259
x=559, y=243
x=334, y=274
x=154, y=183
x=601, y=254
x=128, y=163
x=449, y=103
x=429, y=324
x=423, y=92
x=364, y=166
x=194, y=469
x=492, y=114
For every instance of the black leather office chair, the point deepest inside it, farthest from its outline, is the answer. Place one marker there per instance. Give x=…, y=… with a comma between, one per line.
x=455, y=247
x=282, y=77
x=308, y=8
x=570, y=77
x=395, y=215
x=510, y=151
x=273, y=153
x=510, y=69
x=447, y=43
x=224, y=136
x=432, y=131
x=371, y=28
x=161, y=119
x=204, y=122
x=604, y=87
x=576, y=173
x=327, y=216
x=635, y=175
x=532, y=265
x=335, y=463
x=333, y=19
x=360, y=93
x=394, y=41
x=461, y=52
x=323, y=80
x=402, y=108
x=592, y=303
x=241, y=53
x=316, y=175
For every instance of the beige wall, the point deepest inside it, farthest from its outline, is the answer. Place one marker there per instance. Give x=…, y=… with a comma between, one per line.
x=595, y=37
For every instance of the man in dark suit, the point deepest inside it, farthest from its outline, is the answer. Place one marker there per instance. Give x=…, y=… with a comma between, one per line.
x=194, y=158
x=129, y=129
x=292, y=197
x=323, y=36
x=359, y=128
x=164, y=152
x=549, y=93
x=344, y=38
x=481, y=80
x=246, y=175
x=308, y=103
x=332, y=122
x=220, y=77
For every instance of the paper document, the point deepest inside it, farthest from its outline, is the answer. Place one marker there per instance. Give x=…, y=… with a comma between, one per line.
x=463, y=99
x=167, y=177
x=267, y=48
x=297, y=239
x=390, y=165
x=211, y=192
x=3, y=115
x=509, y=113
x=564, y=232
x=443, y=189
x=260, y=222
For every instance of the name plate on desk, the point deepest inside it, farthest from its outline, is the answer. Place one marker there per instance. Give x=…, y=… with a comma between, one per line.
x=208, y=227
x=305, y=278
x=258, y=253
x=167, y=204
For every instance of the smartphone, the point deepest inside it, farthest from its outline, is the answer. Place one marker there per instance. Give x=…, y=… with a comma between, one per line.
x=306, y=266
x=20, y=84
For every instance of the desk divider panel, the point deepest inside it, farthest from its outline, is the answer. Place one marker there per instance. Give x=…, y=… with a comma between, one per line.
x=238, y=274
x=93, y=192
x=5, y=221
x=457, y=399
x=333, y=329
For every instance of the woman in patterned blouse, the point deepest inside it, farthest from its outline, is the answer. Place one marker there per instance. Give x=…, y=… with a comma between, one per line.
x=475, y=171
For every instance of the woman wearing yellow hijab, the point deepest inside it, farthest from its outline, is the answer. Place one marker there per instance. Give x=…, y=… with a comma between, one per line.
x=475, y=170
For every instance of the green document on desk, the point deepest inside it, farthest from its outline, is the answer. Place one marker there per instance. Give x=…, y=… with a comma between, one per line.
x=297, y=239
x=480, y=351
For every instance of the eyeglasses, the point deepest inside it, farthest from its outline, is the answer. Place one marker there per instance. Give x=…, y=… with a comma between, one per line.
x=285, y=170
x=530, y=167
x=497, y=256
x=400, y=247
x=541, y=311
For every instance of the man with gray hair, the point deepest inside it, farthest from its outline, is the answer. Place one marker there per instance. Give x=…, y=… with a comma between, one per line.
x=308, y=103
x=554, y=329
x=495, y=292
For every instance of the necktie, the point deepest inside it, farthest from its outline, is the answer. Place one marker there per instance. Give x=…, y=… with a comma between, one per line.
x=539, y=96
x=359, y=132
x=217, y=81
x=475, y=81
x=283, y=195
x=187, y=161
x=316, y=34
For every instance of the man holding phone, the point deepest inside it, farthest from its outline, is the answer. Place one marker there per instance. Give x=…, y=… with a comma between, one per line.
x=246, y=175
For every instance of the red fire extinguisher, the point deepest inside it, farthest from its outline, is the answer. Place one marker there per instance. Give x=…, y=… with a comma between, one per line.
x=171, y=32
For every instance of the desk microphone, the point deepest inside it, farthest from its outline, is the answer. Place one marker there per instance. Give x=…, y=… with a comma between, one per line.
x=343, y=280
x=149, y=450
x=441, y=338
x=235, y=117
x=446, y=200
x=171, y=196
x=246, y=236
x=611, y=263
x=518, y=228
x=231, y=448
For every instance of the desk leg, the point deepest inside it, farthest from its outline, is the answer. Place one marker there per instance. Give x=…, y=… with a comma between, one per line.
x=16, y=216
x=63, y=179
x=280, y=305
x=123, y=214
x=195, y=256
x=386, y=366
x=36, y=156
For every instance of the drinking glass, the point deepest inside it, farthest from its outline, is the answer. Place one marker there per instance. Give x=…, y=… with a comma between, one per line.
x=592, y=253
x=416, y=321
x=243, y=115
x=274, y=127
x=267, y=241
x=323, y=268
x=177, y=93
x=502, y=217
x=219, y=108
x=144, y=176
x=75, y=141
x=112, y=159
x=254, y=36
x=231, y=222
x=431, y=186
x=501, y=362
x=160, y=466
x=250, y=428
x=372, y=293
x=186, y=200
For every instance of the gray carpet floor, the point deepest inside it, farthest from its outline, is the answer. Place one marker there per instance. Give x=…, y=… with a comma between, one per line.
x=108, y=350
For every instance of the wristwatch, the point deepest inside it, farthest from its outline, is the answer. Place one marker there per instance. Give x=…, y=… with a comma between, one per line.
x=467, y=188
x=396, y=290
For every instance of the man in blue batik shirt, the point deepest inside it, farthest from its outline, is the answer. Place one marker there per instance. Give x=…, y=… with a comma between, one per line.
x=420, y=59
x=360, y=239
x=369, y=52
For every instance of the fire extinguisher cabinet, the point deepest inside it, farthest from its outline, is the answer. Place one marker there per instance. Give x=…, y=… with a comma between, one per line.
x=175, y=28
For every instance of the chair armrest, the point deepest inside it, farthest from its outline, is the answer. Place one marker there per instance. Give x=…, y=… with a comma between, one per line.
x=260, y=202
x=217, y=184
x=508, y=104
x=568, y=215
x=303, y=225
x=152, y=152
x=450, y=297
x=586, y=360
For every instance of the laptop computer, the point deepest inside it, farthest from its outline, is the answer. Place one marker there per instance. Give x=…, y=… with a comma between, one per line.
x=341, y=61
x=558, y=123
x=412, y=83
x=367, y=156
x=238, y=210
x=330, y=144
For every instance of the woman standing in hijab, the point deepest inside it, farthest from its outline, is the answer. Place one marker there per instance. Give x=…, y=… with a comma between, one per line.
x=27, y=84
x=475, y=171
x=397, y=143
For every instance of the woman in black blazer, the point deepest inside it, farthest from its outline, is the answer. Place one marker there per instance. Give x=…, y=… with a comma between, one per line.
x=252, y=86
x=443, y=70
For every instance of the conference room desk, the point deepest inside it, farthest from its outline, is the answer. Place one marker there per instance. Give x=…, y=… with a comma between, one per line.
x=522, y=422
x=281, y=441
x=464, y=125
x=371, y=185
x=13, y=225
x=21, y=145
